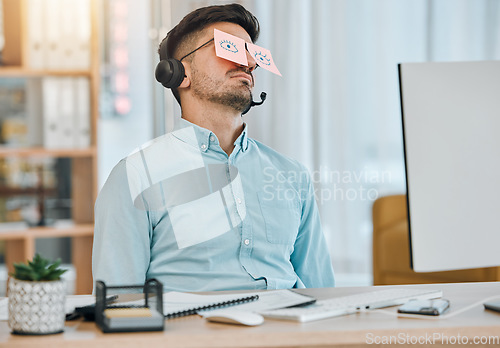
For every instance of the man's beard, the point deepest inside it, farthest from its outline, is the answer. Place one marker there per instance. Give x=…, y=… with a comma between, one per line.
x=206, y=88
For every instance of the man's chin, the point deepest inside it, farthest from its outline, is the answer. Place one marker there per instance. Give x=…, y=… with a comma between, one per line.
x=237, y=101
x=241, y=105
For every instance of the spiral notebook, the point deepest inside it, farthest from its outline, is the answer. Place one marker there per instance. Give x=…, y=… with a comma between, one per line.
x=178, y=304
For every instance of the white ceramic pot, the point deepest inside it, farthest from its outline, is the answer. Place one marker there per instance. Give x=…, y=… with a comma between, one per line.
x=36, y=308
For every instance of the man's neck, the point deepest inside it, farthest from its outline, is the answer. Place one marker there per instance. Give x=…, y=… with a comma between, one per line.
x=225, y=122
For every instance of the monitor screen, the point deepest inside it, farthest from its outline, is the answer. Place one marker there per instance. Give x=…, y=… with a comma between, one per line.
x=451, y=131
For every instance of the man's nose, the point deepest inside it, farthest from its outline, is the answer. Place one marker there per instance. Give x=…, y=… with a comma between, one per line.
x=252, y=64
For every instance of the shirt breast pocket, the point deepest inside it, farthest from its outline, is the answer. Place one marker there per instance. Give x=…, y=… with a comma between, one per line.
x=281, y=218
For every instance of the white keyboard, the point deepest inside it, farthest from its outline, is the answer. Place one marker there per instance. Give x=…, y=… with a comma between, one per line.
x=337, y=306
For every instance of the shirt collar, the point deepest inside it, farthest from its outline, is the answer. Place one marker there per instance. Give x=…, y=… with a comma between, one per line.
x=242, y=140
x=205, y=138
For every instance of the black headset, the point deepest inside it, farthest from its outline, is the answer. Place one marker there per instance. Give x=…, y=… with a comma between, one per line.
x=169, y=71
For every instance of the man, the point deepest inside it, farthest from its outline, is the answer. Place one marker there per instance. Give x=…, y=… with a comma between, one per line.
x=205, y=207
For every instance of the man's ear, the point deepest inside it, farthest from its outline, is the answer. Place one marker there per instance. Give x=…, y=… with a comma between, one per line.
x=187, y=77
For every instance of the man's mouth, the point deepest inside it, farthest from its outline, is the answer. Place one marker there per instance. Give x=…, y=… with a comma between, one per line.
x=244, y=76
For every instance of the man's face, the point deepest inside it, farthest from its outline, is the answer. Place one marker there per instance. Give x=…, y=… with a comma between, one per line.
x=219, y=80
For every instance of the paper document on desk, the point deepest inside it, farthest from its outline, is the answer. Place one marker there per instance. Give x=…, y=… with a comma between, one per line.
x=273, y=299
x=73, y=301
x=177, y=304
x=174, y=302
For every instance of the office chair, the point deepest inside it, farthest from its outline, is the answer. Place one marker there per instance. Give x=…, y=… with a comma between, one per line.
x=391, y=255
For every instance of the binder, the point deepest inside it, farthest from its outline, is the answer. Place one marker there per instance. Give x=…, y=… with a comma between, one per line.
x=66, y=36
x=52, y=18
x=67, y=113
x=81, y=40
x=82, y=133
x=59, y=34
x=36, y=34
x=34, y=113
x=51, y=126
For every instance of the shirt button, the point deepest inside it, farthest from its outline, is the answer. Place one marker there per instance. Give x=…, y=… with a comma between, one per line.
x=247, y=241
x=212, y=138
x=203, y=146
x=238, y=200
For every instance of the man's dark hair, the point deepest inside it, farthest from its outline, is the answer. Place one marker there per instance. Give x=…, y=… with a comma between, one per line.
x=185, y=34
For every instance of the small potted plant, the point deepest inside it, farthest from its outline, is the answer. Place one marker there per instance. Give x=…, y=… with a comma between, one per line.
x=36, y=297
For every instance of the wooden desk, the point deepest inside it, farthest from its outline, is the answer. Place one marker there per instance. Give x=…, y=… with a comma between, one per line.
x=353, y=330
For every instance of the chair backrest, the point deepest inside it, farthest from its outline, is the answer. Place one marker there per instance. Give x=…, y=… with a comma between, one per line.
x=389, y=219
x=388, y=211
x=391, y=250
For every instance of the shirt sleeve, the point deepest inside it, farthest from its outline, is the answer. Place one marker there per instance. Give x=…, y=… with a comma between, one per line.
x=310, y=257
x=121, y=249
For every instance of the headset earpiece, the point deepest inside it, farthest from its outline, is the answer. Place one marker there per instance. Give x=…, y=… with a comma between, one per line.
x=170, y=73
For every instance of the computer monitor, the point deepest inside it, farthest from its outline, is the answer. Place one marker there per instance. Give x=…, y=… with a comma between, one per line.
x=451, y=132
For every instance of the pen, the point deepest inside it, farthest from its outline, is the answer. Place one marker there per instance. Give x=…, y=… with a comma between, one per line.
x=89, y=309
x=111, y=299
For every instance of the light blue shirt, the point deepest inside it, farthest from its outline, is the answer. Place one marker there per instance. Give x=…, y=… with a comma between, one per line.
x=184, y=212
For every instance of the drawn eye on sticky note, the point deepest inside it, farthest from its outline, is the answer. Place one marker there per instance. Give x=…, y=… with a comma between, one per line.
x=230, y=47
x=263, y=58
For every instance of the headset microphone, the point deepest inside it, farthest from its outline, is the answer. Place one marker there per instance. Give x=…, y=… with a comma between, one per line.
x=263, y=96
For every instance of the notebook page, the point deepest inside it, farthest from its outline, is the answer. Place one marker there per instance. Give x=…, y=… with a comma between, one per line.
x=180, y=301
x=269, y=300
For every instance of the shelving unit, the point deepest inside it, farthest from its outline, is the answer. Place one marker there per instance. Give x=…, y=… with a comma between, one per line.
x=7, y=71
x=20, y=244
x=41, y=152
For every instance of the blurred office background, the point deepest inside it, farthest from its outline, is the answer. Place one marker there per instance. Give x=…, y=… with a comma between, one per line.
x=336, y=108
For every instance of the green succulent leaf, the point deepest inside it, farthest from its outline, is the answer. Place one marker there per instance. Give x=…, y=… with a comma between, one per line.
x=38, y=269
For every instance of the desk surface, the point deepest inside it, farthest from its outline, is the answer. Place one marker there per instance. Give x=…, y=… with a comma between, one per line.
x=351, y=330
